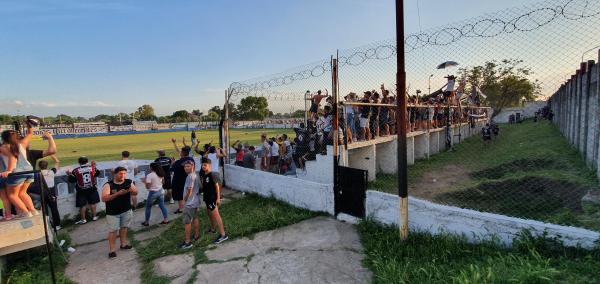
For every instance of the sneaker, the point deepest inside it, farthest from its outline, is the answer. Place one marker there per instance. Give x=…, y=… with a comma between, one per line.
x=145, y=224
x=8, y=217
x=95, y=218
x=35, y=212
x=221, y=239
x=81, y=222
x=126, y=247
x=171, y=201
x=195, y=239
x=57, y=228
x=112, y=254
x=177, y=211
x=185, y=245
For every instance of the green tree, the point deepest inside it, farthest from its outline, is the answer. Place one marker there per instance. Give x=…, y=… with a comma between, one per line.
x=505, y=83
x=64, y=119
x=211, y=116
x=145, y=112
x=252, y=108
x=180, y=116
x=5, y=119
x=298, y=114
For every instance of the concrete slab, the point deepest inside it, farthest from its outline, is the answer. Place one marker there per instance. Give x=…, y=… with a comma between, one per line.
x=94, y=231
x=319, y=250
x=90, y=264
x=174, y=265
x=150, y=234
x=228, y=272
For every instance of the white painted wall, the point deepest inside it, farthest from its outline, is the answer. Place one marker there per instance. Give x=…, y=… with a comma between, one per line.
x=297, y=192
x=474, y=225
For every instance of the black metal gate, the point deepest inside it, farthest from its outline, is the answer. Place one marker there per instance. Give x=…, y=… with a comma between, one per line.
x=351, y=191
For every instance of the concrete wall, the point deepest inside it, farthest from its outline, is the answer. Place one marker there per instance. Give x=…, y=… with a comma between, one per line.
x=474, y=225
x=321, y=169
x=503, y=116
x=297, y=192
x=576, y=108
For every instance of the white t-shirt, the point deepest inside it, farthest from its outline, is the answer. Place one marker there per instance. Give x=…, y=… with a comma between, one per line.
x=130, y=166
x=155, y=182
x=450, y=86
x=266, y=149
x=48, y=177
x=275, y=150
x=349, y=109
x=214, y=162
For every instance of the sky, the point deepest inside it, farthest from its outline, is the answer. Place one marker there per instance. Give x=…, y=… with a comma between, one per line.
x=84, y=58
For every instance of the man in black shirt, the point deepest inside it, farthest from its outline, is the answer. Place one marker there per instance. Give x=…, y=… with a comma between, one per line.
x=179, y=176
x=117, y=196
x=165, y=163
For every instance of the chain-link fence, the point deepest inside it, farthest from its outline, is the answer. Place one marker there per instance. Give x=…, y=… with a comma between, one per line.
x=479, y=135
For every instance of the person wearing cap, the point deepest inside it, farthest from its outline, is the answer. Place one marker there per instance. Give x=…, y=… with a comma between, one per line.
x=117, y=196
x=86, y=193
x=165, y=163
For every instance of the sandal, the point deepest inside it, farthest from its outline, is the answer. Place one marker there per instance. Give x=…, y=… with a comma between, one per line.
x=164, y=222
x=145, y=224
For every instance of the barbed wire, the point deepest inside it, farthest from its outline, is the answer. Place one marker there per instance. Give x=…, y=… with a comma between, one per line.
x=533, y=19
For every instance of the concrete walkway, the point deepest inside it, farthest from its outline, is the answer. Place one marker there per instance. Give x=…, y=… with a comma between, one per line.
x=319, y=250
x=90, y=262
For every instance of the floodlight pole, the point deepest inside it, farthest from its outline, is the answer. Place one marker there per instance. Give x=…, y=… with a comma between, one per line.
x=401, y=119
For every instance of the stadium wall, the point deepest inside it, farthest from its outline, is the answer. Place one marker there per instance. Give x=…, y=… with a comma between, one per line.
x=576, y=109
x=297, y=192
x=476, y=226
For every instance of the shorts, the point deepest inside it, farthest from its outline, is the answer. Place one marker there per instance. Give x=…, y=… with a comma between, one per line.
x=364, y=122
x=85, y=197
x=177, y=192
x=116, y=222
x=15, y=180
x=2, y=183
x=211, y=202
x=314, y=108
x=189, y=214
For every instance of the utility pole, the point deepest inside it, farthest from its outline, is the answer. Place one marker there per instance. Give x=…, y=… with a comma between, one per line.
x=401, y=117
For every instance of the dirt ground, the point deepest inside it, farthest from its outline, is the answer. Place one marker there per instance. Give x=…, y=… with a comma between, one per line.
x=435, y=183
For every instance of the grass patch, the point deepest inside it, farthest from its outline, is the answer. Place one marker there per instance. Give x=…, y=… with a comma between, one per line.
x=242, y=218
x=529, y=197
x=31, y=266
x=143, y=146
x=424, y=258
x=529, y=171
